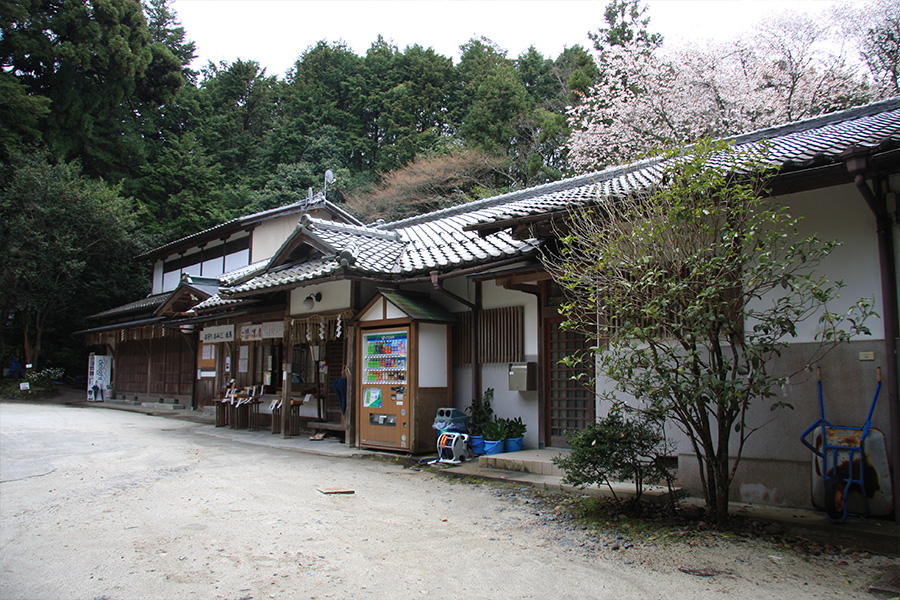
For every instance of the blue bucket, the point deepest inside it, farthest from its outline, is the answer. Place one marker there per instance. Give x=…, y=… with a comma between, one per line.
x=515, y=444
x=477, y=444
x=493, y=446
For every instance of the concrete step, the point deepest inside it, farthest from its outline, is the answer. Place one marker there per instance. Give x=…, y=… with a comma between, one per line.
x=539, y=462
x=537, y=468
x=163, y=405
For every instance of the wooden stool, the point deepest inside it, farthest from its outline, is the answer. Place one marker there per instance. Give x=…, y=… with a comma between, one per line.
x=253, y=414
x=239, y=411
x=295, y=416
x=276, y=418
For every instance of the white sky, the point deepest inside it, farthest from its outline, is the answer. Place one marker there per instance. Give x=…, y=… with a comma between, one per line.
x=276, y=32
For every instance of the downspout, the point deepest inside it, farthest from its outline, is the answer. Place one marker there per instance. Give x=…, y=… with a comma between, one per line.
x=857, y=163
x=475, y=308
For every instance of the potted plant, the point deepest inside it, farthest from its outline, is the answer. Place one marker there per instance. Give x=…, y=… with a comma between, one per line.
x=480, y=414
x=495, y=436
x=515, y=434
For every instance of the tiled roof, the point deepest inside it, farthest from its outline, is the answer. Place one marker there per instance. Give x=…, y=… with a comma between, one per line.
x=214, y=302
x=417, y=248
x=232, y=277
x=318, y=202
x=446, y=239
x=813, y=141
x=144, y=305
x=285, y=277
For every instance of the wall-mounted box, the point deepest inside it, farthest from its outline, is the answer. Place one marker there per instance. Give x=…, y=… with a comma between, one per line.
x=523, y=377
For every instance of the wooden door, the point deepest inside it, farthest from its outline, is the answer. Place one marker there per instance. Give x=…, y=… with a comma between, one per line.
x=570, y=403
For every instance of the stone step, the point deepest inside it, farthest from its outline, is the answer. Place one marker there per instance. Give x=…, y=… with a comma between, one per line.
x=163, y=405
x=539, y=462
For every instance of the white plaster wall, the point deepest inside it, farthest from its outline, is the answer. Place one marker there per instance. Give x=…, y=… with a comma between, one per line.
x=777, y=466
x=433, y=353
x=269, y=235
x=336, y=295
x=839, y=213
x=507, y=404
x=170, y=280
x=237, y=260
x=158, y=277
x=511, y=404
x=494, y=296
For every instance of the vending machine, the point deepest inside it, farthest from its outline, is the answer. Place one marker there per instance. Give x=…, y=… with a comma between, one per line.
x=98, y=384
x=404, y=372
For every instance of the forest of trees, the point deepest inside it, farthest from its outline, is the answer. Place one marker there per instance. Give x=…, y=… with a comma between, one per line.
x=99, y=98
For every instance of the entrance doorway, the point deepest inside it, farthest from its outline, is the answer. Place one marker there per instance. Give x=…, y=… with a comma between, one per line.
x=570, y=402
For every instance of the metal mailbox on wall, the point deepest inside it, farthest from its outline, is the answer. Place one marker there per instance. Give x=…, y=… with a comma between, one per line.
x=523, y=377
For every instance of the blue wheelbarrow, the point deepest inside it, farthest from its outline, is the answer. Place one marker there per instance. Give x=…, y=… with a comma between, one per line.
x=842, y=453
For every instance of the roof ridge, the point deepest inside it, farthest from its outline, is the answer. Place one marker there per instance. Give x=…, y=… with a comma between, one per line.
x=318, y=198
x=363, y=230
x=817, y=122
x=524, y=194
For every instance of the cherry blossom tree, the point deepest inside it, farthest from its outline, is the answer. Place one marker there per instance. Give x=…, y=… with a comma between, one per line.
x=653, y=98
x=875, y=27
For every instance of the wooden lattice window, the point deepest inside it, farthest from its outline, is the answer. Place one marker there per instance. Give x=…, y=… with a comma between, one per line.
x=501, y=336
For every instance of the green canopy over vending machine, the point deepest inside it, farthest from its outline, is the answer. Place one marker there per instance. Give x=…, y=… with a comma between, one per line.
x=404, y=371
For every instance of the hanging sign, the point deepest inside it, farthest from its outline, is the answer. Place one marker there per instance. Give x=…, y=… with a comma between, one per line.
x=263, y=331
x=217, y=333
x=273, y=330
x=250, y=333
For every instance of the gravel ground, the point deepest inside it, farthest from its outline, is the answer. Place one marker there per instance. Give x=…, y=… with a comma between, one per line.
x=113, y=505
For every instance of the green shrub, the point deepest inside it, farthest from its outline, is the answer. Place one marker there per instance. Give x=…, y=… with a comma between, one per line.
x=616, y=448
x=480, y=412
x=45, y=377
x=515, y=428
x=496, y=430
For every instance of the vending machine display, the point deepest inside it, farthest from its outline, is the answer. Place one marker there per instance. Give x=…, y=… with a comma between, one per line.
x=403, y=371
x=385, y=413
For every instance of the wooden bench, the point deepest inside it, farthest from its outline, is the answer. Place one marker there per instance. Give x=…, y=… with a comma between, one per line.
x=325, y=425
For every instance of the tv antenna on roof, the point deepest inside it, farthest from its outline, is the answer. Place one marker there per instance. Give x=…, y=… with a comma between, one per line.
x=329, y=178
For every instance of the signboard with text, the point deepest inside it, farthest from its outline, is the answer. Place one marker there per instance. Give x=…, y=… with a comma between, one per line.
x=217, y=333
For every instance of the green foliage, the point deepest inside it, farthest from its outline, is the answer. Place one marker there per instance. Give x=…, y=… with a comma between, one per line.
x=616, y=449
x=21, y=115
x=480, y=412
x=496, y=430
x=64, y=237
x=625, y=24
x=96, y=64
x=515, y=428
x=46, y=376
x=699, y=285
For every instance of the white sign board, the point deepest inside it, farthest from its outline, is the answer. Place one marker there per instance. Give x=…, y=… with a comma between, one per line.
x=217, y=333
x=263, y=331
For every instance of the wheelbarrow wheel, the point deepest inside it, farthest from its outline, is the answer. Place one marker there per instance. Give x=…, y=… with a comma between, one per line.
x=835, y=500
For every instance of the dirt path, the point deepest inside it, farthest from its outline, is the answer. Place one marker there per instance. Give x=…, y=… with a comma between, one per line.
x=98, y=504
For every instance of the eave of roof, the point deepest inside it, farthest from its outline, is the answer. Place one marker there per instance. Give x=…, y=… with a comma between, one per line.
x=147, y=305
x=475, y=234
x=247, y=221
x=809, y=144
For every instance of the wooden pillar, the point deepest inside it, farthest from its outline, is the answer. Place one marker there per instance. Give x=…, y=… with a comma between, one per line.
x=287, y=362
x=350, y=374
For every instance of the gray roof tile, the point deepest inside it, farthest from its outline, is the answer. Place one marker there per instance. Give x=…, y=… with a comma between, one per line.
x=440, y=240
